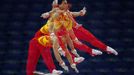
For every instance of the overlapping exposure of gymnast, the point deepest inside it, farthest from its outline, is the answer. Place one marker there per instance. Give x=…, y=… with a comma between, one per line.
x=60, y=31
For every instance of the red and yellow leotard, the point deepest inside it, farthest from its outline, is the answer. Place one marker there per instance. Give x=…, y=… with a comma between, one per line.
x=63, y=20
x=62, y=24
x=45, y=39
x=44, y=29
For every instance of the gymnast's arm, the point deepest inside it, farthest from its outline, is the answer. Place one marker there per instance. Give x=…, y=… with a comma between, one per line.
x=46, y=15
x=80, y=13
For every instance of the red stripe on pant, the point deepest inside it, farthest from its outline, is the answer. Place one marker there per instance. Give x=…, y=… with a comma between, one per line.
x=83, y=34
x=35, y=50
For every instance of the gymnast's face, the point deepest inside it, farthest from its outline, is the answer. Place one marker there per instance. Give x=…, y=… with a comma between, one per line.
x=64, y=6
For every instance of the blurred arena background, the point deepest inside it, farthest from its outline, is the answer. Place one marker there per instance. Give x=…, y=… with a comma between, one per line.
x=109, y=20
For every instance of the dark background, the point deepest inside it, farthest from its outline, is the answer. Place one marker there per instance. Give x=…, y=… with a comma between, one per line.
x=109, y=20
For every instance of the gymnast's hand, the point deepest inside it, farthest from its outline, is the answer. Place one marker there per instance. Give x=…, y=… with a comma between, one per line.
x=83, y=11
x=45, y=15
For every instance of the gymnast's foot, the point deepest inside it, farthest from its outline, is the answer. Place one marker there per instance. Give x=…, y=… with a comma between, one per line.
x=111, y=51
x=79, y=59
x=73, y=66
x=96, y=52
x=54, y=72
x=38, y=73
x=63, y=65
x=57, y=72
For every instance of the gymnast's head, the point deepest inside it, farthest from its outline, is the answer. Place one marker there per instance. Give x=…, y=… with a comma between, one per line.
x=64, y=5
